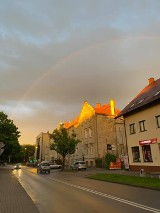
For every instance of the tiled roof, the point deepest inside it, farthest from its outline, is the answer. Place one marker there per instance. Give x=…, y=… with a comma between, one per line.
x=88, y=111
x=105, y=110
x=149, y=95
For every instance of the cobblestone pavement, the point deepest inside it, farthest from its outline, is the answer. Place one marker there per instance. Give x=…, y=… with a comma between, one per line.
x=13, y=198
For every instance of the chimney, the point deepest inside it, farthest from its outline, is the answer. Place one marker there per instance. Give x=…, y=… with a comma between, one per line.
x=112, y=107
x=150, y=80
x=98, y=105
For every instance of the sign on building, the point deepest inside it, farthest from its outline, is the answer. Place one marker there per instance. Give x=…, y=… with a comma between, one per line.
x=109, y=146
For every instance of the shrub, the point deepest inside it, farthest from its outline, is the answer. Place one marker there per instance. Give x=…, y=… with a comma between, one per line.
x=108, y=159
x=98, y=162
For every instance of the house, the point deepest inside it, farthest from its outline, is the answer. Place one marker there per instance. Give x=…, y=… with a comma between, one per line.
x=142, y=125
x=99, y=133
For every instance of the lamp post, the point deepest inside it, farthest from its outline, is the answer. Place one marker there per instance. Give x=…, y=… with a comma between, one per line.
x=25, y=154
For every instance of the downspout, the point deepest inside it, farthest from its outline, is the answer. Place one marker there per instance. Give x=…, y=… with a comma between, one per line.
x=97, y=137
x=126, y=142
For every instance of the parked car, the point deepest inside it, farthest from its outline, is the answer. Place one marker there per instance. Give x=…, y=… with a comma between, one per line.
x=79, y=165
x=17, y=166
x=44, y=166
x=53, y=165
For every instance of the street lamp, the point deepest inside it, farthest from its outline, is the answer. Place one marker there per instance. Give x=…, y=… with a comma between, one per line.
x=25, y=154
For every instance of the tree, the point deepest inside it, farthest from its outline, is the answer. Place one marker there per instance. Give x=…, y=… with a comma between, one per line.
x=28, y=152
x=9, y=135
x=64, y=143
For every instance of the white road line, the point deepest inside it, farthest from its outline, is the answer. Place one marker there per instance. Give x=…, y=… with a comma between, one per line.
x=137, y=205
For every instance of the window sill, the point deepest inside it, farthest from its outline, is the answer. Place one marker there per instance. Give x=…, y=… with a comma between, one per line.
x=142, y=131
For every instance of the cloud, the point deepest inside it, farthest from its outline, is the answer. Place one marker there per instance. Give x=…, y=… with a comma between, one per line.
x=53, y=57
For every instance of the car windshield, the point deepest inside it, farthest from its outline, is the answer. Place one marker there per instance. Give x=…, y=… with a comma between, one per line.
x=82, y=163
x=45, y=164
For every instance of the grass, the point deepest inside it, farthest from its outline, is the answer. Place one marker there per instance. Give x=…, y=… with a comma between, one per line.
x=153, y=183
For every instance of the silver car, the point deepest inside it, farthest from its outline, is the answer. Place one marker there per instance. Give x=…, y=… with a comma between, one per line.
x=43, y=167
x=79, y=165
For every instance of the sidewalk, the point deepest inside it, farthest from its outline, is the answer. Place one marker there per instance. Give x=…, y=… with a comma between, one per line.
x=13, y=198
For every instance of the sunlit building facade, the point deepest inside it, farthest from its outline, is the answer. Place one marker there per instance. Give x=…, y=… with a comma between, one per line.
x=142, y=124
x=42, y=151
x=98, y=133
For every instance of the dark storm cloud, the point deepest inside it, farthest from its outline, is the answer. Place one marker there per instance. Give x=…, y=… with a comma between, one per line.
x=55, y=56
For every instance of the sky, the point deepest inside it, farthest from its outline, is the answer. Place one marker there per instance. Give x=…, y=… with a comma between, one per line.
x=56, y=54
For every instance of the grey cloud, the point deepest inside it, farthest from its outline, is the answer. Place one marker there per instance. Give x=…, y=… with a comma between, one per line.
x=53, y=57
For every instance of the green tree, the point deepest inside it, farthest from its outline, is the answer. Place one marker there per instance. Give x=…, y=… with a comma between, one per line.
x=28, y=152
x=9, y=135
x=64, y=143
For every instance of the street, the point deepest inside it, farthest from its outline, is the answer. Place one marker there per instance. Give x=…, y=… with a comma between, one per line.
x=70, y=192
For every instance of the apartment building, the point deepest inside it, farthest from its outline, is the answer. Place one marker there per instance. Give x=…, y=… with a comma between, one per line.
x=42, y=151
x=142, y=125
x=99, y=133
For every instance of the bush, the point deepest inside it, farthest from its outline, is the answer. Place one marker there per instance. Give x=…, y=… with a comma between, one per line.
x=98, y=162
x=108, y=159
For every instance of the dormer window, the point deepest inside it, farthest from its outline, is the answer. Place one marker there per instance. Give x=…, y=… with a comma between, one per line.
x=131, y=105
x=141, y=101
x=157, y=93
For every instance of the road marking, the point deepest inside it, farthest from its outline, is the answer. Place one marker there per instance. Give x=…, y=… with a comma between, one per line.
x=108, y=196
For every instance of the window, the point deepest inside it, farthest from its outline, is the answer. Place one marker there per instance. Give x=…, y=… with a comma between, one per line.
x=131, y=105
x=76, y=151
x=141, y=101
x=85, y=133
x=142, y=126
x=86, y=148
x=147, y=156
x=91, y=149
x=135, y=153
x=90, y=132
x=158, y=121
x=132, y=128
x=157, y=93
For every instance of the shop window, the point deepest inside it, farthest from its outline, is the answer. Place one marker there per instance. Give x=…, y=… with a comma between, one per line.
x=147, y=155
x=142, y=126
x=136, y=154
x=132, y=128
x=158, y=121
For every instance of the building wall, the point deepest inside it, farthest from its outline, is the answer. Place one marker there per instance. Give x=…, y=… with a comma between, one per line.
x=151, y=132
x=43, y=151
x=95, y=133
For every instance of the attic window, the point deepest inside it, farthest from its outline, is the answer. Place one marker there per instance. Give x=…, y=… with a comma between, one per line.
x=131, y=105
x=157, y=93
x=141, y=101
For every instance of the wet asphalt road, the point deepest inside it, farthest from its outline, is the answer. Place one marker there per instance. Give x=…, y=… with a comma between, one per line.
x=70, y=192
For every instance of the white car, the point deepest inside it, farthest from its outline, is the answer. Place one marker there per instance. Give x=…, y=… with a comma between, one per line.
x=43, y=167
x=79, y=165
x=53, y=165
